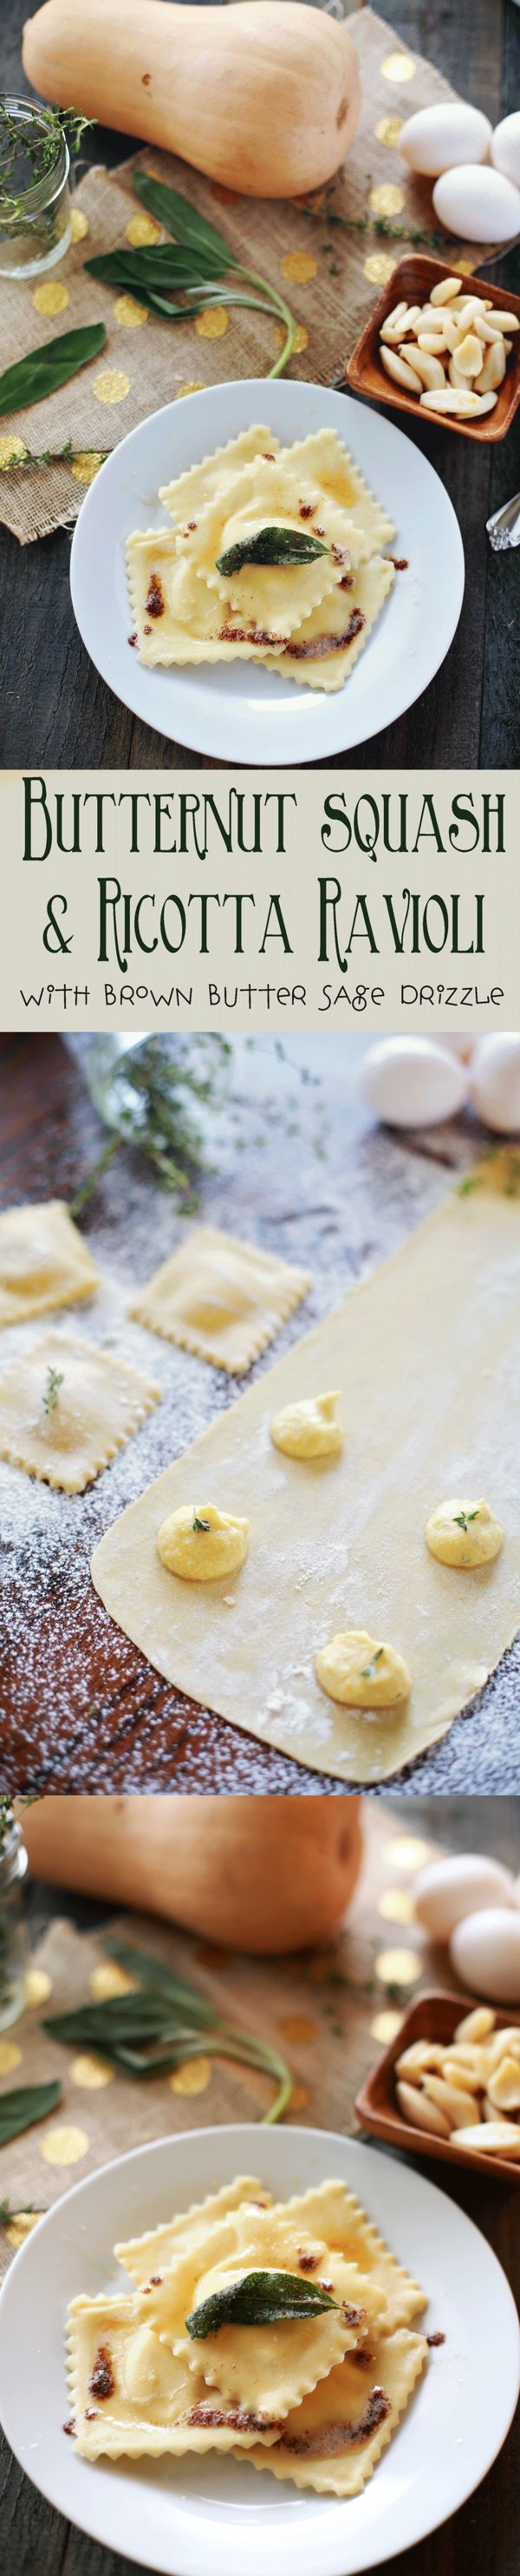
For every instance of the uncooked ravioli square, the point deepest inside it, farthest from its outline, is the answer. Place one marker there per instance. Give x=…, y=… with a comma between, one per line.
x=43, y=1261
x=65, y=1407
x=219, y=1298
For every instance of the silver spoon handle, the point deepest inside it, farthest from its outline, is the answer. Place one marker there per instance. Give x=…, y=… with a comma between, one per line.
x=504, y=526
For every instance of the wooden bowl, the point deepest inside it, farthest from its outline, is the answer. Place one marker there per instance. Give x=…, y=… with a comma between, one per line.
x=414, y=278
x=434, y=2015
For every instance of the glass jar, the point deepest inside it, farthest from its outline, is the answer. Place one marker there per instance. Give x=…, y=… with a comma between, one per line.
x=13, y=1936
x=35, y=212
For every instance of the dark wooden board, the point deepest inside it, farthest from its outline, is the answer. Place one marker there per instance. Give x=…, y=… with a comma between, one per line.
x=80, y=1709
x=55, y=712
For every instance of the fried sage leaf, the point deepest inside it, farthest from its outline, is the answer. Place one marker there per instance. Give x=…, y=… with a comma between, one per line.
x=45, y=369
x=271, y=546
x=19, y=2110
x=260, y=2299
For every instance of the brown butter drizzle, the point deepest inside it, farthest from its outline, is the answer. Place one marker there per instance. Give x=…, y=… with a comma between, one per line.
x=102, y=2382
x=155, y=601
x=331, y=2439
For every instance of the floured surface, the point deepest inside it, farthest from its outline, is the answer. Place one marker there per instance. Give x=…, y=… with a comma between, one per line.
x=426, y=1353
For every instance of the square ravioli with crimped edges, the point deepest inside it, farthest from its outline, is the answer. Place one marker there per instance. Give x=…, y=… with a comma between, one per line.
x=332, y=2441
x=66, y=1407
x=175, y=617
x=191, y=491
x=152, y=2252
x=275, y=598
x=219, y=1298
x=270, y=2370
x=43, y=1261
x=129, y=2393
x=325, y=648
x=334, y=2213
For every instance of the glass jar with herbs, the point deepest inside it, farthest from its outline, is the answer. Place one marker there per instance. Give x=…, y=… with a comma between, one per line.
x=35, y=203
x=13, y=1938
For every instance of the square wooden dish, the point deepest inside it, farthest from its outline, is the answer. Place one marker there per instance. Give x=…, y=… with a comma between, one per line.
x=434, y=2015
x=414, y=278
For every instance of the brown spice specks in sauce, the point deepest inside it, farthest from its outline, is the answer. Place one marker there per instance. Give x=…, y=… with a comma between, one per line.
x=246, y=635
x=434, y=2339
x=132, y=639
x=69, y=2428
x=307, y=509
x=102, y=2382
x=236, y=2416
x=324, y=645
x=155, y=600
x=331, y=2439
x=308, y=2262
x=400, y=562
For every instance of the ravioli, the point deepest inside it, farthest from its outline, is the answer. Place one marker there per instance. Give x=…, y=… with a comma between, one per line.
x=66, y=1407
x=143, y=2255
x=130, y=2394
x=332, y=2441
x=268, y=2369
x=44, y=1261
x=323, y=456
x=323, y=653
x=219, y=1298
x=191, y=491
x=270, y=596
x=175, y=617
x=332, y=2211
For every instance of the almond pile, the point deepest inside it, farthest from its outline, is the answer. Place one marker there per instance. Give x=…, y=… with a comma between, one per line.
x=452, y=352
x=468, y=2091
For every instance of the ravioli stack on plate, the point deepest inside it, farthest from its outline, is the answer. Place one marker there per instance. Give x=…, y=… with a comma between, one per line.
x=312, y=2393
x=274, y=556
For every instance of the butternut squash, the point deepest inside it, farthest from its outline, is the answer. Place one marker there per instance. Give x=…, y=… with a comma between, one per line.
x=258, y=1874
x=263, y=96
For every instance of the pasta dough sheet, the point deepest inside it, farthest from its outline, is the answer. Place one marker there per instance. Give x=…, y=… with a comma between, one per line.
x=66, y=1406
x=219, y=1298
x=426, y=1351
x=43, y=1261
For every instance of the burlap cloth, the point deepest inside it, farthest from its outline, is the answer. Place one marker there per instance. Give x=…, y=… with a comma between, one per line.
x=151, y=362
x=322, y=2010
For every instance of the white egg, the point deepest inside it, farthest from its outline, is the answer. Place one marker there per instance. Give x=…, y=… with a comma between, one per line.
x=495, y=1082
x=478, y=205
x=485, y=1955
x=505, y=147
x=439, y=138
x=460, y=1884
x=413, y=1082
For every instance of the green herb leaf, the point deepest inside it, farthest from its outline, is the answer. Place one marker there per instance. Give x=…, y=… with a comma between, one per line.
x=368, y=1671
x=462, y=1519
x=146, y=2032
x=272, y=546
x=43, y=370
x=20, y=2110
x=159, y=265
x=182, y=220
x=260, y=2299
x=54, y=1381
x=199, y=1524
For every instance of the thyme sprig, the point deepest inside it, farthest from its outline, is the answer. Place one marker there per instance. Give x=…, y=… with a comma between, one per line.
x=67, y=455
x=153, y=1103
x=38, y=136
x=50, y=1398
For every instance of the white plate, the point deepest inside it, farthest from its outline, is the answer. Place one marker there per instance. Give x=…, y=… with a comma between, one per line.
x=186, y=2516
x=242, y=712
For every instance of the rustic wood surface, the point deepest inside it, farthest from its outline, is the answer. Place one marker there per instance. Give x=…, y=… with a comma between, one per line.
x=54, y=711
x=483, y=2536
x=80, y=1709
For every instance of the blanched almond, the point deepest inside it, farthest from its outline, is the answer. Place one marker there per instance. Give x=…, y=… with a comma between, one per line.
x=477, y=2024
x=504, y=2085
x=401, y=372
x=446, y=290
x=429, y=369
x=459, y=2108
x=493, y=2138
x=469, y=355
x=423, y=2114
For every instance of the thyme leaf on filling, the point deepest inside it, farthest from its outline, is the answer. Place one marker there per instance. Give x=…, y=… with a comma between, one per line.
x=198, y=1523
x=368, y=1671
x=54, y=1381
x=462, y=1519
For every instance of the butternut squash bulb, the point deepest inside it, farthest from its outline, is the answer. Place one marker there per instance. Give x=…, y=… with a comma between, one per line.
x=258, y=1874
x=263, y=96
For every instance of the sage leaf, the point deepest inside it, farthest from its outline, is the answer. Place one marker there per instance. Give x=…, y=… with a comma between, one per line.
x=19, y=2110
x=271, y=546
x=260, y=2299
x=156, y=268
x=45, y=369
x=179, y=218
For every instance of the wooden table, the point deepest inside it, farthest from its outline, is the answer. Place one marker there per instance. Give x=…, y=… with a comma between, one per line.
x=80, y=1707
x=55, y=710
x=483, y=2536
